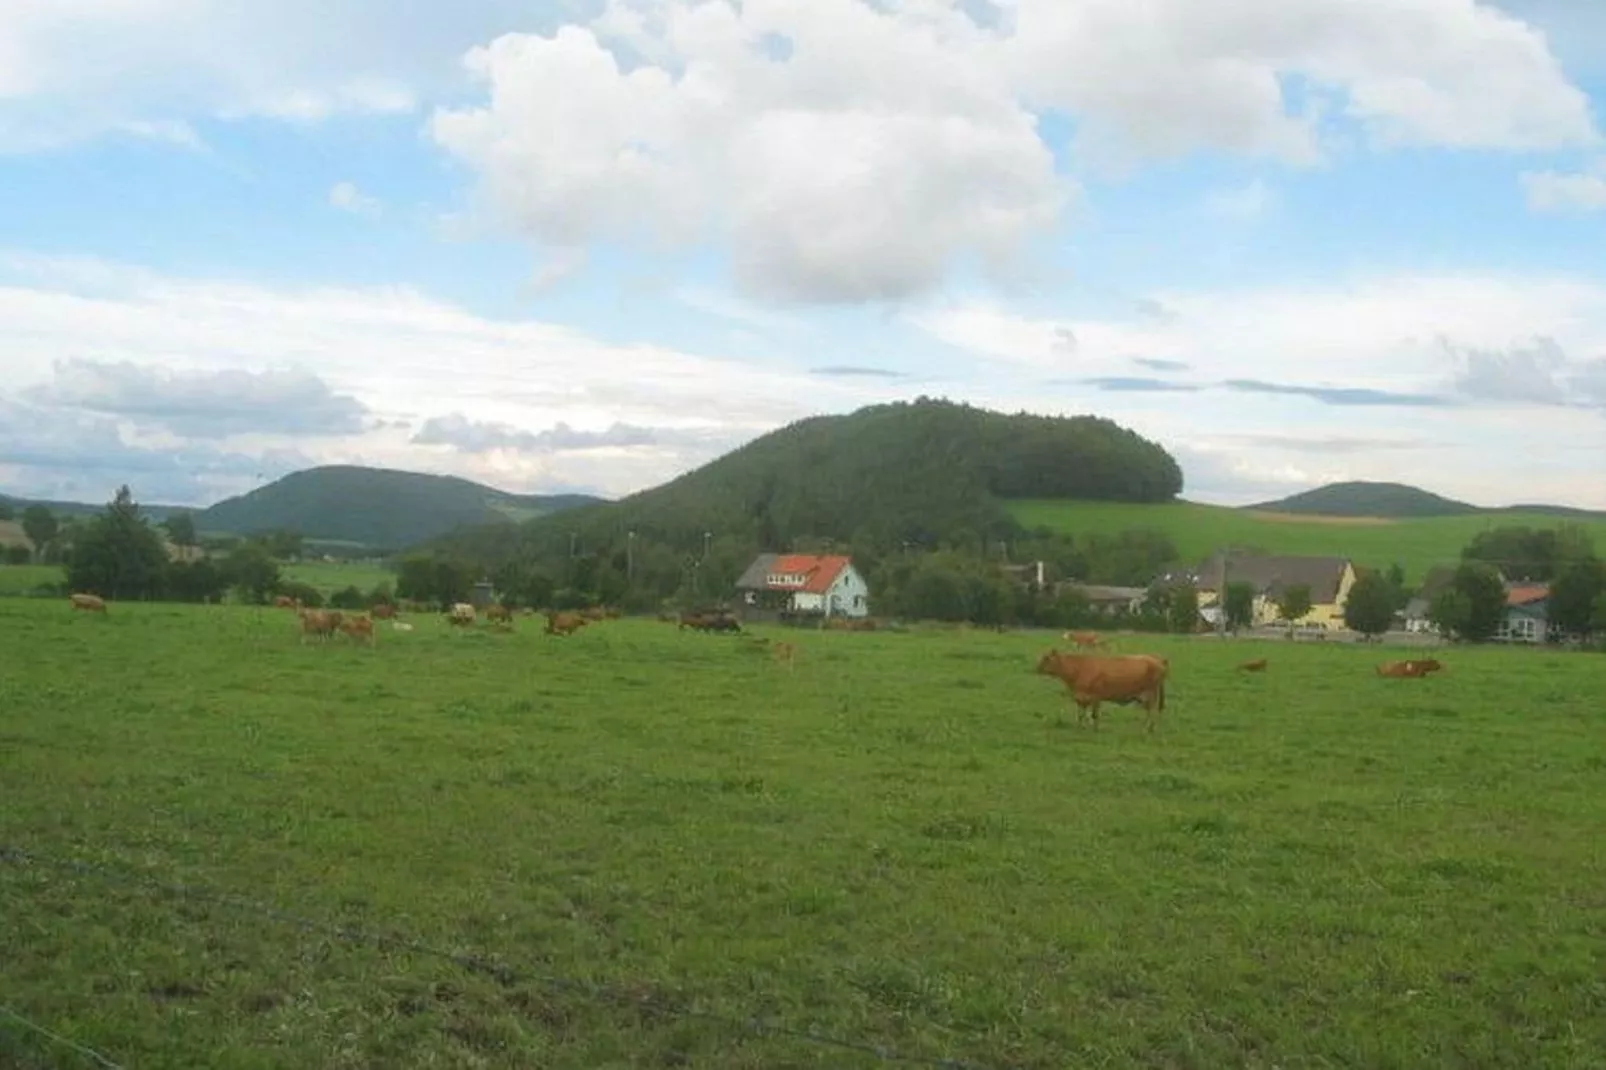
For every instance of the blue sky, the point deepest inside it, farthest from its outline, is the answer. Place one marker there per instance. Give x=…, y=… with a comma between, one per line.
x=589, y=245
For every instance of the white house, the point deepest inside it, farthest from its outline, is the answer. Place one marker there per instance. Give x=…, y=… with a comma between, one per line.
x=826, y=584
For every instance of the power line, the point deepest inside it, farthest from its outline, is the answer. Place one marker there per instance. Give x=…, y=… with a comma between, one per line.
x=474, y=963
x=86, y=1052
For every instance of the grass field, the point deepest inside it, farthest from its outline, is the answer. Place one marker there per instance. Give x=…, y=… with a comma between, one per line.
x=23, y=579
x=1198, y=530
x=902, y=842
x=329, y=576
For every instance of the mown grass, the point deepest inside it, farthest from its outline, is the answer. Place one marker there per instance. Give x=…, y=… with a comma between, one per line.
x=904, y=842
x=1199, y=530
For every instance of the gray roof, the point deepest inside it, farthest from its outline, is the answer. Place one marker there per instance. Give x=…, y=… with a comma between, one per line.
x=1272, y=574
x=1096, y=593
x=756, y=575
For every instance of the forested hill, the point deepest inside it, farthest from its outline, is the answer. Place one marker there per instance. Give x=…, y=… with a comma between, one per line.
x=377, y=507
x=917, y=472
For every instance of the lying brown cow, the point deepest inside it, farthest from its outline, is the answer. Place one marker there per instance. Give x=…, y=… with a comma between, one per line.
x=1093, y=679
x=89, y=603
x=1258, y=665
x=1415, y=668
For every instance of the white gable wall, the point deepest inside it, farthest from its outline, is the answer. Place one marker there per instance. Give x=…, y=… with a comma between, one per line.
x=848, y=596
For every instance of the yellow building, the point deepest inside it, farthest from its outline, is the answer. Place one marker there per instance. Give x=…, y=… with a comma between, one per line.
x=1329, y=580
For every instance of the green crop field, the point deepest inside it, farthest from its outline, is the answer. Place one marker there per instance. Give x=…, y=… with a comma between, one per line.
x=1199, y=530
x=903, y=842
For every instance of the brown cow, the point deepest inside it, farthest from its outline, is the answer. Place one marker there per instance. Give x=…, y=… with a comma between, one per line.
x=1410, y=669
x=786, y=653
x=564, y=623
x=383, y=611
x=284, y=601
x=594, y=613
x=89, y=603
x=359, y=629
x=1083, y=640
x=1093, y=679
x=1258, y=665
x=497, y=613
x=318, y=623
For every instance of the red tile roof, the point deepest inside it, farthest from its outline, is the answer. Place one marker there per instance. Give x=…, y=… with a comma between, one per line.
x=1521, y=596
x=819, y=571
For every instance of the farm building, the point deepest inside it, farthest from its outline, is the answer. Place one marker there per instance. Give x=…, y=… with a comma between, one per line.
x=826, y=584
x=1527, y=618
x=1111, y=600
x=1271, y=575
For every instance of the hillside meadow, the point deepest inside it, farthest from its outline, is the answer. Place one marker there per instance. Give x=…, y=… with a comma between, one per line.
x=1199, y=530
x=903, y=842
x=325, y=576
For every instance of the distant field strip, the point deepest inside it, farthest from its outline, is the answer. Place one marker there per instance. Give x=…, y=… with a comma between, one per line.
x=904, y=843
x=1198, y=530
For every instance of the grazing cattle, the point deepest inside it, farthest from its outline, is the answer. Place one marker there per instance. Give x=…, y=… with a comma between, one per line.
x=359, y=629
x=383, y=611
x=564, y=623
x=318, y=623
x=1084, y=640
x=461, y=615
x=1410, y=669
x=89, y=603
x=1258, y=665
x=716, y=621
x=284, y=601
x=497, y=613
x=1093, y=679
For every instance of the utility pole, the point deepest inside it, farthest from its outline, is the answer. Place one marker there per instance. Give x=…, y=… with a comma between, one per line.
x=630, y=556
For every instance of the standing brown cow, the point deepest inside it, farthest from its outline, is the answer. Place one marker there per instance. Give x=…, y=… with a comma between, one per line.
x=1093, y=679
x=359, y=629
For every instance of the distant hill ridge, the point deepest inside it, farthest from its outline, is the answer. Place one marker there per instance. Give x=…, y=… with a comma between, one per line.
x=1399, y=501
x=381, y=507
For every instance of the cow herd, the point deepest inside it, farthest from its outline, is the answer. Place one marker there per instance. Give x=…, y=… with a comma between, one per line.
x=1090, y=678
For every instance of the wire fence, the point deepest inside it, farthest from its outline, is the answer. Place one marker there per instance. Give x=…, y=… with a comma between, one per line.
x=98, y=1058
x=502, y=973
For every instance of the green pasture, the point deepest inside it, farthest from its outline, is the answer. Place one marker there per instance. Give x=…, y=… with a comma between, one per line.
x=1199, y=530
x=24, y=579
x=331, y=576
x=904, y=842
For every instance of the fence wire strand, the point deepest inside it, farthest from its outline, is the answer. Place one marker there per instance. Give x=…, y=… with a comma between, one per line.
x=66, y=1042
x=501, y=973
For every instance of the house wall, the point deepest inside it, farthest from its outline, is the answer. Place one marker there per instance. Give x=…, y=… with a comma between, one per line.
x=849, y=596
x=1521, y=627
x=1331, y=614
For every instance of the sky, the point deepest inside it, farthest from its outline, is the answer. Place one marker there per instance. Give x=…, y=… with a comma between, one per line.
x=587, y=245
